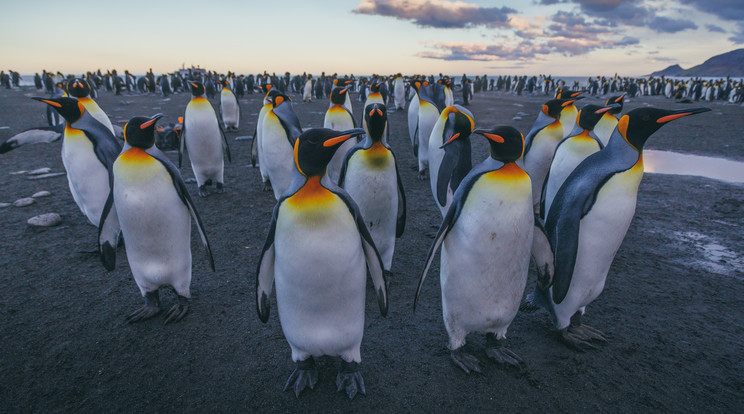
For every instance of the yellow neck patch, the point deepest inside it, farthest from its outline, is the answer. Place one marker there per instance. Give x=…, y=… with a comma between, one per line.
x=312, y=194
x=377, y=157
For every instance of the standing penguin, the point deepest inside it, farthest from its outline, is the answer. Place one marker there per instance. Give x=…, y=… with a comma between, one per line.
x=256, y=141
x=339, y=118
x=229, y=107
x=413, y=109
x=399, y=92
x=206, y=143
x=80, y=89
x=571, y=151
x=449, y=164
x=150, y=204
x=88, y=152
x=569, y=111
x=279, y=131
x=341, y=84
x=370, y=175
x=607, y=124
x=486, y=238
x=589, y=218
x=374, y=97
x=318, y=251
x=307, y=90
x=540, y=144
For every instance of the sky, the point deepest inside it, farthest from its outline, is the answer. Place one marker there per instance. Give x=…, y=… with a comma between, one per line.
x=558, y=37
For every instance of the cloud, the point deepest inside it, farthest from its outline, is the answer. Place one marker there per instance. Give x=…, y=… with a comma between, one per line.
x=714, y=28
x=738, y=36
x=438, y=13
x=725, y=9
x=628, y=41
x=485, y=52
x=663, y=24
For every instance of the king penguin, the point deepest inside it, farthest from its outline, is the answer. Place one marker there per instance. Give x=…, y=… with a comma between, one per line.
x=318, y=251
x=370, y=175
x=569, y=112
x=229, y=107
x=569, y=153
x=80, y=89
x=279, y=131
x=486, y=237
x=88, y=153
x=589, y=218
x=343, y=84
x=413, y=109
x=150, y=204
x=339, y=118
x=399, y=92
x=205, y=141
x=431, y=104
x=256, y=141
x=540, y=144
x=607, y=124
x=374, y=97
x=449, y=164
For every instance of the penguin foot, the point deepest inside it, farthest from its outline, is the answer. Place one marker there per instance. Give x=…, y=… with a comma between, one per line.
x=203, y=191
x=497, y=352
x=388, y=276
x=467, y=362
x=267, y=186
x=219, y=188
x=349, y=379
x=529, y=304
x=178, y=311
x=421, y=175
x=305, y=375
x=581, y=337
x=151, y=308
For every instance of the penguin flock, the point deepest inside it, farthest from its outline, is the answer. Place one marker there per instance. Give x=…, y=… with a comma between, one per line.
x=562, y=196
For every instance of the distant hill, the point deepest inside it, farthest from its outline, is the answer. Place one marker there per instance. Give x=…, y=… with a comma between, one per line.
x=727, y=64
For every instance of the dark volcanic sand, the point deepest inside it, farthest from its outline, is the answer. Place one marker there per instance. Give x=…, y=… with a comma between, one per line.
x=673, y=311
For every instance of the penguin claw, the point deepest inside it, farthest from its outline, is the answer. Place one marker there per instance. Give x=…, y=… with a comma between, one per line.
x=177, y=312
x=151, y=308
x=350, y=380
x=267, y=186
x=580, y=337
x=421, y=175
x=203, y=191
x=219, y=188
x=305, y=375
x=505, y=356
x=467, y=362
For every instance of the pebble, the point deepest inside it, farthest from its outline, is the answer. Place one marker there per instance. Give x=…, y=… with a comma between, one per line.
x=3, y=205
x=517, y=118
x=40, y=171
x=23, y=202
x=4, y=127
x=43, y=176
x=45, y=220
x=18, y=172
x=41, y=194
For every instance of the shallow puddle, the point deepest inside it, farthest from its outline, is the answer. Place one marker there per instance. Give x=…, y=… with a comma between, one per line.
x=714, y=256
x=667, y=162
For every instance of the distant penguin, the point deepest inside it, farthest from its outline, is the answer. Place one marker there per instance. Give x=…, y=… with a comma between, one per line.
x=339, y=118
x=399, y=92
x=205, y=141
x=485, y=237
x=229, y=107
x=374, y=97
x=449, y=153
x=80, y=89
x=571, y=151
x=370, y=175
x=344, y=83
x=431, y=103
x=307, y=90
x=150, y=204
x=318, y=252
x=88, y=152
x=279, y=131
x=256, y=141
x=589, y=218
x=413, y=109
x=540, y=144
x=607, y=124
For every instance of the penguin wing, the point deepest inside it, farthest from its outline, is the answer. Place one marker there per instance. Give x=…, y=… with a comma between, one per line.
x=108, y=233
x=350, y=153
x=289, y=121
x=105, y=145
x=254, y=147
x=33, y=136
x=353, y=121
x=374, y=262
x=182, y=143
x=265, y=270
x=400, y=225
x=573, y=201
x=540, y=124
x=183, y=193
x=225, y=146
x=452, y=170
x=453, y=213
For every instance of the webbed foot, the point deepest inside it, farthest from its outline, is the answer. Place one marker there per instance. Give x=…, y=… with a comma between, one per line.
x=350, y=380
x=305, y=375
x=500, y=354
x=219, y=188
x=151, y=308
x=466, y=361
x=581, y=337
x=177, y=311
x=203, y=191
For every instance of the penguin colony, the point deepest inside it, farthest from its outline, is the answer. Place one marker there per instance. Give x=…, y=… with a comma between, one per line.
x=563, y=196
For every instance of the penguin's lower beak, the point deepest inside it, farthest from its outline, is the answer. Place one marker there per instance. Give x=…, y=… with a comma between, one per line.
x=681, y=113
x=607, y=108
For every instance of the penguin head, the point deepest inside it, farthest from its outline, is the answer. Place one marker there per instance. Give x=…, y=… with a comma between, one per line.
x=139, y=132
x=197, y=88
x=640, y=123
x=375, y=87
x=338, y=95
x=553, y=107
x=375, y=116
x=561, y=93
x=277, y=98
x=619, y=100
x=507, y=144
x=69, y=108
x=78, y=88
x=589, y=115
x=315, y=147
x=459, y=124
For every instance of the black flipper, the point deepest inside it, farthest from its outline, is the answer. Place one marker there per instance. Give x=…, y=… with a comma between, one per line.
x=289, y=121
x=265, y=269
x=400, y=225
x=254, y=147
x=225, y=146
x=182, y=143
x=108, y=233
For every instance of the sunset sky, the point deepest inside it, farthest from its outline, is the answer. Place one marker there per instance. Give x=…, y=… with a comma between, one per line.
x=560, y=37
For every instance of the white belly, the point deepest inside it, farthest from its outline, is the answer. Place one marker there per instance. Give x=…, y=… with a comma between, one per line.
x=400, y=94
x=567, y=157
x=204, y=143
x=259, y=149
x=338, y=122
x=277, y=154
x=320, y=275
x=435, y=158
x=157, y=230
x=537, y=161
x=87, y=177
x=484, y=262
x=427, y=117
x=413, y=108
x=601, y=233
